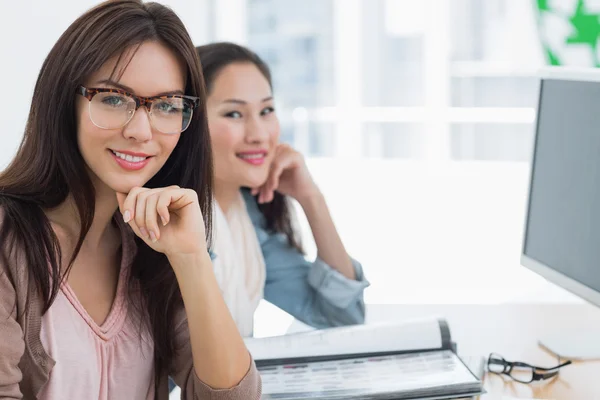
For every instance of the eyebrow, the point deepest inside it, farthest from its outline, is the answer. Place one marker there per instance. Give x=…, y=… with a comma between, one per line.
x=242, y=102
x=130, y=90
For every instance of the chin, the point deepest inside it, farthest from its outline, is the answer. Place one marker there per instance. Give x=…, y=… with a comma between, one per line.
x=254, y=181
x=118, y=181
x=123, y=187
x=124, y=184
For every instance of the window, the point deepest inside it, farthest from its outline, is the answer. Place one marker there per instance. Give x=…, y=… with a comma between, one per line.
x=399, y=78
x=434, y=98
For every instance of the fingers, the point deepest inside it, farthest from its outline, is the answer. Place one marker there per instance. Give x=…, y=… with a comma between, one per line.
x=285, y=158
x=142, y=207
x=174, y=199
x=151, y=216
x=139, y=215
x=264, y=191
x=162, y=208
x=128, y=205
x=268, y=189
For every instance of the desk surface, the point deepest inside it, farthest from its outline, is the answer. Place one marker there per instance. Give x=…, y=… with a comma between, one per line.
x=512, y=330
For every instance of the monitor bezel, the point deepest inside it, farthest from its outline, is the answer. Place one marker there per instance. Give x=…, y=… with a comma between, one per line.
x=547, y=272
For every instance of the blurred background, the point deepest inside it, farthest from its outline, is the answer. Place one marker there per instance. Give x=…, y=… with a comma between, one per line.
x=416, y=119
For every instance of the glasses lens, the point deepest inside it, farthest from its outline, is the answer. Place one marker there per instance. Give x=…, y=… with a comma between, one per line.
x=522, y=374
x=111, y=110
x=496, y=364
x=171, y=115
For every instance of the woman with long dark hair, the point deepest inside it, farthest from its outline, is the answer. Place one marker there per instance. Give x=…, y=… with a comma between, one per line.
x=258, y=253
x=104, y=217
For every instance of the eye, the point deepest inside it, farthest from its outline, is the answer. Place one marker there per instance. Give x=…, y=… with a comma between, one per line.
x=267, y=110
x=233, y=115
x=173, y=106
x=113, y=100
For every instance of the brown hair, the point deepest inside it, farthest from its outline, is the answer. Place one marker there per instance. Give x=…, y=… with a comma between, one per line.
x=216, y=56
x=48, y=166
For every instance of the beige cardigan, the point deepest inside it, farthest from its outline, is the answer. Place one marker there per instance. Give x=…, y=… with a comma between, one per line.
x=25, y=366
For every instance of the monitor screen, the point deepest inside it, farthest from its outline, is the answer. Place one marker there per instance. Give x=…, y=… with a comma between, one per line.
x=562, y=230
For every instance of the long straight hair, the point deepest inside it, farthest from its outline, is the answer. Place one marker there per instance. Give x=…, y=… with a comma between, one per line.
x=213, y=58
x=48, y=166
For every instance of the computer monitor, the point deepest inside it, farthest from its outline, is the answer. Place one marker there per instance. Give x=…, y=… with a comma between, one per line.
x=562, y=227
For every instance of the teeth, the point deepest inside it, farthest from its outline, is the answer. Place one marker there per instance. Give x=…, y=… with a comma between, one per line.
x=128, y=157
x=251, y=156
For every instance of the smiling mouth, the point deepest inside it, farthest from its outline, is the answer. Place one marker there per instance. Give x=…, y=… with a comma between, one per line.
x=129, y=162
x=253, y=158
x=129, y=158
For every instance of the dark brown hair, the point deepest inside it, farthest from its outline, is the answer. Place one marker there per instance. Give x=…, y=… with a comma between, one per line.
x=213, y=58
x=48, y=166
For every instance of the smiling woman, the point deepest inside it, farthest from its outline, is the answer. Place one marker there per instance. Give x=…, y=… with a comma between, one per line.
x=111, y=118
x=257, y=251
x=104, y=217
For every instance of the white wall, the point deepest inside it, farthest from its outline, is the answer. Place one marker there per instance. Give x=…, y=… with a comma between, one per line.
x=29, y=29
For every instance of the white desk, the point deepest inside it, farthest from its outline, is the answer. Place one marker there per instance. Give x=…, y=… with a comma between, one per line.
x=511, y=330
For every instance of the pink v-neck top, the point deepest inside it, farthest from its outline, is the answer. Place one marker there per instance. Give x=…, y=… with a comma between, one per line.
x=110, y=361
x=63, y=354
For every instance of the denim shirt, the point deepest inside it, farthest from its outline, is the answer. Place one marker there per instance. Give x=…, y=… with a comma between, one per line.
x=312, y=292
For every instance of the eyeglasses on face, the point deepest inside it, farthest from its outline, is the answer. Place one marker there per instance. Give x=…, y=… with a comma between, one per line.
x=113, y=109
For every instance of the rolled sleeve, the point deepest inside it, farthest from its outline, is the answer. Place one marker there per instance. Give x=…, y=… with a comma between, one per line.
x=249, y=388
x=192, y=388
x=312, y=292
x=340, y=291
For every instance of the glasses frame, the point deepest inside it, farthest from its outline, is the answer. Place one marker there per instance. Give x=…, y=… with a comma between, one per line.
x=140, y=101
x=508, y=366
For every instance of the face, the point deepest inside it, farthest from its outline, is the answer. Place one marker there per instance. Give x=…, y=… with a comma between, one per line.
x=243, y=126
x=120, y=159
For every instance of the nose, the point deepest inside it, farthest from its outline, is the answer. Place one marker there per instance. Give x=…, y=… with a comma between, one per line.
x=256, y=131
x=139, y=128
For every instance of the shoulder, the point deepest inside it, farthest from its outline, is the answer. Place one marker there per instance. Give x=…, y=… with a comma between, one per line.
x=13, y=252
x=8, y=248
x=14, y=278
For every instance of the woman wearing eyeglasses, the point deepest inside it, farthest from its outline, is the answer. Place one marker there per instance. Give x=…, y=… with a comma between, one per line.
x=104, y=214
x=258, y=254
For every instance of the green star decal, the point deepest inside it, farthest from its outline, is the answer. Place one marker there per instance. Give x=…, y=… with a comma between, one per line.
x=543, y=5
x=586, y=27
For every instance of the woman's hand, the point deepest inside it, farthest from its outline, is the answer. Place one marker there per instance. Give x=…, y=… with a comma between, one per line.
x=288, y=175
x=168, y=219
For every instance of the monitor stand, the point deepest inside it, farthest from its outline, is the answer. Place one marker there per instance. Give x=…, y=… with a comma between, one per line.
x=572, y=344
